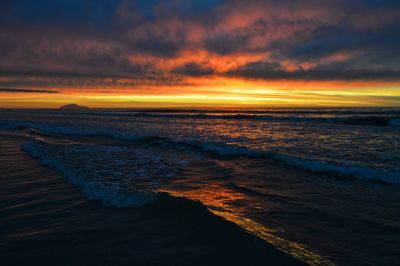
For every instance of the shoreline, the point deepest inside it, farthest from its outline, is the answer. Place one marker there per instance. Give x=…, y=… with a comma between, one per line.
x=48, y=221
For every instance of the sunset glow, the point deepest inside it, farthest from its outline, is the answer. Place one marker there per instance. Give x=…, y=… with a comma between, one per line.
x=199, y=53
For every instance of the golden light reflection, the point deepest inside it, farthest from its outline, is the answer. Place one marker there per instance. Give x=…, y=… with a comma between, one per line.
x=221, y=201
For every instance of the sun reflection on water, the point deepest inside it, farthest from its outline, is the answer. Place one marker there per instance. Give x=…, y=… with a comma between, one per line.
x=231, y=206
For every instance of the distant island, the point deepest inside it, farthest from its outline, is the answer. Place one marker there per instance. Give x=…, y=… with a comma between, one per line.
x=73, y=107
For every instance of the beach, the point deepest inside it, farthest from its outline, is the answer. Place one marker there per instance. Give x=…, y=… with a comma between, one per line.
x=274, y=186
x=46, y=221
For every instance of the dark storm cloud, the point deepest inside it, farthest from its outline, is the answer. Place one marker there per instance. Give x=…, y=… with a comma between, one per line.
x=159, y=44
x=143, y=40
x=193, y=69
x=25, y=90
x=226, y=43
x=262, y=70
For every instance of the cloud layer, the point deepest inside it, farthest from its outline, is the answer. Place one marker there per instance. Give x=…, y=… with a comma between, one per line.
x=71, y=43
x=26, y=90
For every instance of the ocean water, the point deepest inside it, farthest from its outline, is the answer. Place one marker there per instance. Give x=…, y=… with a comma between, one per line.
x=321, y=184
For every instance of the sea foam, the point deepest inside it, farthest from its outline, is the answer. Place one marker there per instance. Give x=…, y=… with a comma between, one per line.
x=308, y=164
x=117, y=176
x=221, y=148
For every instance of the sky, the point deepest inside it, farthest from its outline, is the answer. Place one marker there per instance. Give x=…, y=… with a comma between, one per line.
x=188, y=53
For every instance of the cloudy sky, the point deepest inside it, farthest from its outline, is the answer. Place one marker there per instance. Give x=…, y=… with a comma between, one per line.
x=127, y=53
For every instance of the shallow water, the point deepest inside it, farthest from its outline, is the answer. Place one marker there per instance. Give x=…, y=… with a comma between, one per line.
x=46, y=221
x=306, y=180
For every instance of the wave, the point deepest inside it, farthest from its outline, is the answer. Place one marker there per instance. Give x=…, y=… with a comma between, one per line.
x=315, y=111
x=368, y=120
x=117, y=176
x=88, y=112
x=45, y=128
x=222, y=149
x=377, y=120
x=10, y=126
x=394, y=122
x=308, y=164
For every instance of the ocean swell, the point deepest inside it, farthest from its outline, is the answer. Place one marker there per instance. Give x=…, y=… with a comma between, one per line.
x=360, y=120
x=223, y=149
x=383, y=119
x=117, y=176
x=308, y=164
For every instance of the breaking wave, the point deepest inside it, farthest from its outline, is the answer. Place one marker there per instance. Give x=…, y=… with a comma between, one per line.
x=117, y=176
x=308, y=164
x=217, y=148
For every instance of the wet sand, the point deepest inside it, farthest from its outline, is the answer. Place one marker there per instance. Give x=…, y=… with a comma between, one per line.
x=46, y=221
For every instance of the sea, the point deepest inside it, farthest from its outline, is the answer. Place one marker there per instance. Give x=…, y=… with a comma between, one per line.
x=320, y=184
